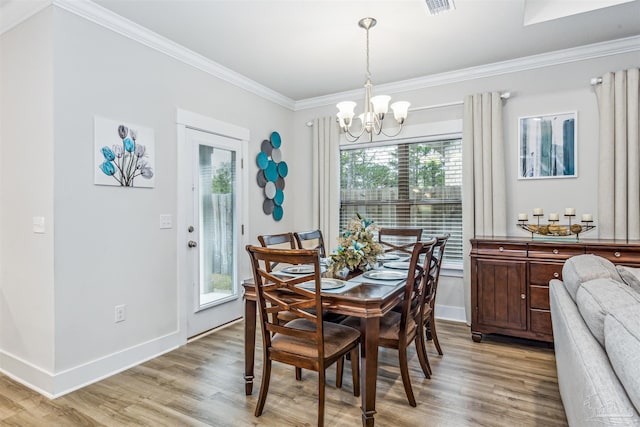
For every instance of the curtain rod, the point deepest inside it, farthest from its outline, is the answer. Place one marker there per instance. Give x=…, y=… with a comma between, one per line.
x=596, y=81
x=503, y=95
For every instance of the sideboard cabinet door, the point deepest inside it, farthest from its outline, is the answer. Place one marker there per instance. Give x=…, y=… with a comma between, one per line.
x=501, y=295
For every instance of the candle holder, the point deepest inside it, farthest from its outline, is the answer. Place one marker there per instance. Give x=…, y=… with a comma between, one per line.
x=569, y=218
x=538, y=218
x=556, y=230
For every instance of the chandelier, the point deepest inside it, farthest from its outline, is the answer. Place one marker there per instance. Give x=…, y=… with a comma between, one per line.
x=375, y=107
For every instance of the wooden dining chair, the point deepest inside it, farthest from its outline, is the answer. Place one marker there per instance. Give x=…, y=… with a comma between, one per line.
x=430, y=297
x=399, y=329
x=313, y=236
x=307, y=341
x=278, y=241
x=399, y=239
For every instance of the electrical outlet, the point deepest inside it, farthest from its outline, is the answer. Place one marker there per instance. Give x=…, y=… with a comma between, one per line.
x=121, y=313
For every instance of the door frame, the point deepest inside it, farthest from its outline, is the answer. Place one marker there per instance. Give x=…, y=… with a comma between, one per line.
x=190, y=120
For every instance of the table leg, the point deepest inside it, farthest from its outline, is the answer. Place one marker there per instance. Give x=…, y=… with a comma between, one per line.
x=370, y=330
x=249, y=344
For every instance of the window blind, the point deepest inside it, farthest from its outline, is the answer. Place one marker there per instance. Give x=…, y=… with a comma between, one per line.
x=412, y=184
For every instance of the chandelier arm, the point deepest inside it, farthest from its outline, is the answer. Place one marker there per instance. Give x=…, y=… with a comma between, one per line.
x=355, y=136
x=377, y=125
x=391, y=135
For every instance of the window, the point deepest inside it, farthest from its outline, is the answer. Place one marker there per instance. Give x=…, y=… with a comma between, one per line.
x=406, y=184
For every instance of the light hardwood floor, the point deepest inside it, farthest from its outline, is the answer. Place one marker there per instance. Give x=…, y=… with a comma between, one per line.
x=499, y=382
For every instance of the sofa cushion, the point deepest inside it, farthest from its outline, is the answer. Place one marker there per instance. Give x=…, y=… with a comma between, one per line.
x=582, y=268
x=591, y=392
x=622, y=341
x=598, y=297
x=630, y=276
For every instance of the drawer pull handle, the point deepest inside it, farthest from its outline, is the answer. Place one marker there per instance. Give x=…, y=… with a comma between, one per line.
x=556, y=275
x=523, y=296
x=556, y=252
x=501, y=249
x=616, y=254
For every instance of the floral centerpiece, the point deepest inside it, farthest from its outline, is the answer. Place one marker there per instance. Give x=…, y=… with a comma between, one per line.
x=357, y=249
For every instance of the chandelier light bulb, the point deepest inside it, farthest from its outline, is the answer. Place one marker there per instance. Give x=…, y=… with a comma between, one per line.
x=380, y=105
x=346, y=113
x=400, y=111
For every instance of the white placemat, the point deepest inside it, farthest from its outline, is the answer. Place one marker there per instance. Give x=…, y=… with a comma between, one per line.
x=362, y=279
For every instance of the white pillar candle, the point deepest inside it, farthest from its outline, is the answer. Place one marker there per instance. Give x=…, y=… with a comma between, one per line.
x=537, y=211
x=554, y=217
x=523, y=217
x=569, y=211
x=587, y=217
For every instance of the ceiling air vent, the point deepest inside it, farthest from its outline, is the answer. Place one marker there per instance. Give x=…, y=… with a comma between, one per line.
x=439, y=6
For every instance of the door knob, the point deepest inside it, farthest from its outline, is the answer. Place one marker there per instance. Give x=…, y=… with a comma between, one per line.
x=192, y=244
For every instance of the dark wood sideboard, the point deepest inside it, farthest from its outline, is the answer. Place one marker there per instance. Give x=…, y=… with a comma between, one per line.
x=510, y=281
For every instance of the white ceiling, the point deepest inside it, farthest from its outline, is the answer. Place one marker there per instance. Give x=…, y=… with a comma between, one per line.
x=308, y=48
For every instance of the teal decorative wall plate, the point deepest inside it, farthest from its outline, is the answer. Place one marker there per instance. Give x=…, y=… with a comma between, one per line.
x=271, y=173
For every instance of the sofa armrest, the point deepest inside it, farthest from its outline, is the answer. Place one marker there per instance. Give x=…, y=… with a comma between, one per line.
x=590, y=390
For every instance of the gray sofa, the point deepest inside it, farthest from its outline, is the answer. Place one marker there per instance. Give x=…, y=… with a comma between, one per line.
x=595, y=312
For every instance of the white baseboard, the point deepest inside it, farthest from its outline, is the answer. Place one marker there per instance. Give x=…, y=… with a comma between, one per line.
x=63, y=382
x=452, y=313
x=27, y=374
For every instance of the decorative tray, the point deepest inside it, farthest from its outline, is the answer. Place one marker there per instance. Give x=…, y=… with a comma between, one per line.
x=556, y=230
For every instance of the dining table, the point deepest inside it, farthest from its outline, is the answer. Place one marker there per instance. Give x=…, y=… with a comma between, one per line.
x=367, y=299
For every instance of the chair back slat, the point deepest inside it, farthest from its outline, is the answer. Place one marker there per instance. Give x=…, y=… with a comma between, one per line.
x=277, y=293
x=277, y=241
x=315, y=237
x=435, y=268
x=415, y=287
x=399, y=239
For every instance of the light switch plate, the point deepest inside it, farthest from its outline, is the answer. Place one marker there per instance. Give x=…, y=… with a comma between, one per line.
x=38, y=224
x=166, y=221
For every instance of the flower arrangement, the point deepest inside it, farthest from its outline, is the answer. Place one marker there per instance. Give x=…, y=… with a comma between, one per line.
x=127, y=160
x=356, y=247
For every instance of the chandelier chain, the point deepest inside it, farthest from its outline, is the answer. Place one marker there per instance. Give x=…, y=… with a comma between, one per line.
x=368, y=70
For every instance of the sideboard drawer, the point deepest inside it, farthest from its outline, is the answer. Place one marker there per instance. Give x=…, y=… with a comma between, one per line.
x=617, y=254
x=501, y=249
x=541, y=273
x=539, y=297
x=554, y=251
x=541, y=322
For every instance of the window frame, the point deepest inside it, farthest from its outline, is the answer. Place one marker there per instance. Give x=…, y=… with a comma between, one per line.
x=454, y=131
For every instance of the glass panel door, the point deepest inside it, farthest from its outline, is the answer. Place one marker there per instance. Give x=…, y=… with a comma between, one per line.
x=217, y=188
x=212, y=183
x=217, y=232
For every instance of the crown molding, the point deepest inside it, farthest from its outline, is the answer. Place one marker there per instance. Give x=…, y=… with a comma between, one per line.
x=105, y=18
x=114, y=22
x=16, y=12
x=558, y=57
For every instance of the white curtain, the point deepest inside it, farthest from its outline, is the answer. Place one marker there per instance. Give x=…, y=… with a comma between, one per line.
x=483, y=201
x=326, y=179
x=619, y=168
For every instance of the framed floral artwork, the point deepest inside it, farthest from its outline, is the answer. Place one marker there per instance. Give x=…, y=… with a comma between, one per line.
x=124, y=154
x=547, y=146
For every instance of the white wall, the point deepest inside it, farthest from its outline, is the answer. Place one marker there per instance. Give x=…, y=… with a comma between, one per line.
x=108, y=248
x=551, y=89
x=26, y=190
